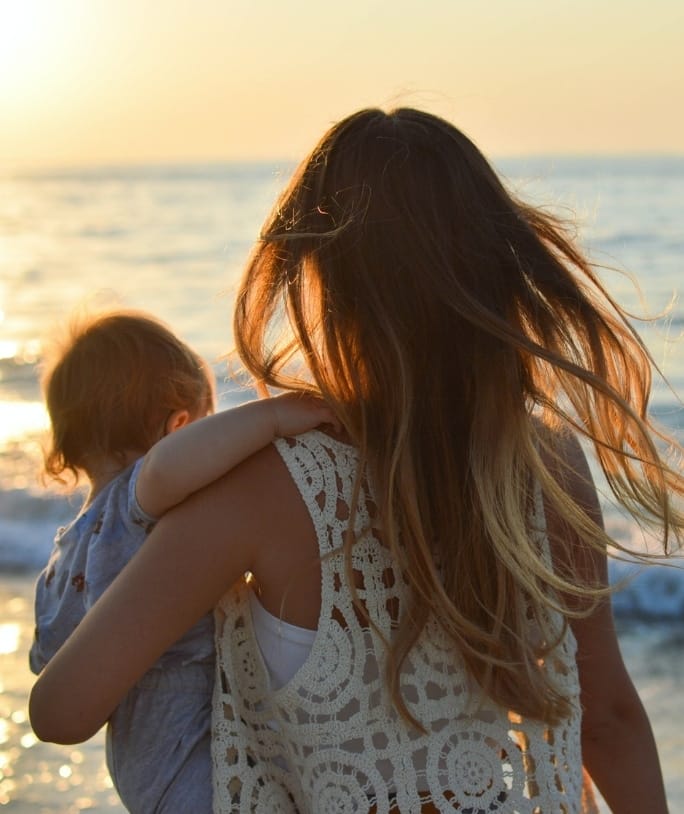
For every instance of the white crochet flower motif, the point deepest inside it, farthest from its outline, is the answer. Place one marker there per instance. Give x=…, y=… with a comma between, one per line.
x=475, y=771
x=329, y=670
x=343, y=783
x=267, y=799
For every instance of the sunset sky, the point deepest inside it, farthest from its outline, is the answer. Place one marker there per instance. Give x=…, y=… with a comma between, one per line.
x=100, y=81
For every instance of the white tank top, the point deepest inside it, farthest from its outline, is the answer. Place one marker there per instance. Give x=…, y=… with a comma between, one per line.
x=284, y=647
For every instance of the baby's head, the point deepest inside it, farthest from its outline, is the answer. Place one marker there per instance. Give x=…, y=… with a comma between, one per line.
x=112, y=385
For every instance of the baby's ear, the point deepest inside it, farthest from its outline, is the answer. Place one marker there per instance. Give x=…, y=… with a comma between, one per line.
x=177, y=419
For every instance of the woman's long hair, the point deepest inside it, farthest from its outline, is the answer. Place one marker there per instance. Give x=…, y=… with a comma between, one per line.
x=438, y=314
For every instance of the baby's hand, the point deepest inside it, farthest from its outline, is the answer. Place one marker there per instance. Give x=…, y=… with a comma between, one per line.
x=294, y=413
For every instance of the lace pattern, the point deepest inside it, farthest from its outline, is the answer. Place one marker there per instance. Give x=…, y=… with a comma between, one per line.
x=330, y=741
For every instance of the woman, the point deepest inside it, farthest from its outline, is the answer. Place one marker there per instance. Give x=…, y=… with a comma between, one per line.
x=426, y=625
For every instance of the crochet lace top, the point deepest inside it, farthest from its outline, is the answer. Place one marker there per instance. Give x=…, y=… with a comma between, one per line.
x=330, y=740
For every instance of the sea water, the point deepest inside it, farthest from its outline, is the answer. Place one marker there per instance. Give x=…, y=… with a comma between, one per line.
x=173, y=240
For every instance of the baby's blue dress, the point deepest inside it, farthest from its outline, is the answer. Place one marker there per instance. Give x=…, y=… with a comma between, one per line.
x=158, y=739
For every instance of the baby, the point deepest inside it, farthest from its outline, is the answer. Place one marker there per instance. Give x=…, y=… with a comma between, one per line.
x=129, y=407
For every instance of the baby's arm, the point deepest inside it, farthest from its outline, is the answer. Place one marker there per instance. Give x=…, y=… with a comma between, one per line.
x=195, y=455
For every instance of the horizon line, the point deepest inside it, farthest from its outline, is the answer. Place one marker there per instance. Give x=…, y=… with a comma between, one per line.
x=9, y=169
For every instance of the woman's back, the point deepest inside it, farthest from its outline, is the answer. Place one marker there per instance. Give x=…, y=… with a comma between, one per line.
x=331, y=739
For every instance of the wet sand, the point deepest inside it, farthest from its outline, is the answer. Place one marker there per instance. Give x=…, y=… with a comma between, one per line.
x=35, y=777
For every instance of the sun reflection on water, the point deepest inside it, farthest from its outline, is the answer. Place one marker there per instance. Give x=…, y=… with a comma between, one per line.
x=8, y=348
x=28, y=740
x=21, y=418
x=9, y=638
x=37, y=776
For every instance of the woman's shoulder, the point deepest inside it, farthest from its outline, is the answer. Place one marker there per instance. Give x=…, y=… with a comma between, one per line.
x=316, y=451
x=320, y=439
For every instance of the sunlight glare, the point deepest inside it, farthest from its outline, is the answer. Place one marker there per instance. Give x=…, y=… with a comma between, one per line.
x=17, y=32
x=20, y=418
x=8, y=349
x=33, y=37
x=9, y=638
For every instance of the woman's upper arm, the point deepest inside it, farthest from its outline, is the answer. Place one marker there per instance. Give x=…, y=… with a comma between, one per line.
x=618, y=746
x=603, y=677
x=194, y=554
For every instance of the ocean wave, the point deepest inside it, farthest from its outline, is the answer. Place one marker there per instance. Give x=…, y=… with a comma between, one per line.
x=28, y=524
x=19, y=378
x=651, y=593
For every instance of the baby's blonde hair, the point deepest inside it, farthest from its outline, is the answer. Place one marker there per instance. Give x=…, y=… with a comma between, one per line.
x=111, y=382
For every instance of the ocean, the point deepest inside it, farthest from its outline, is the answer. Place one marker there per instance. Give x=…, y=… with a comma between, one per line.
x=173, y=240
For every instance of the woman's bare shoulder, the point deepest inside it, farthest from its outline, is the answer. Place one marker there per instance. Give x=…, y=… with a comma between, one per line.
x=275, y=522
